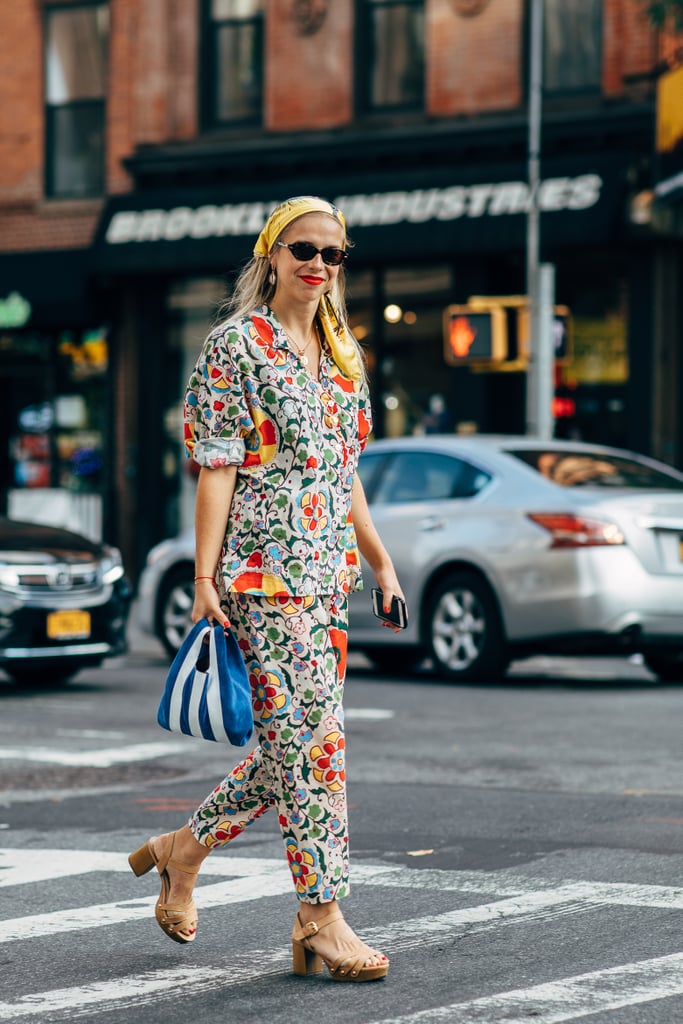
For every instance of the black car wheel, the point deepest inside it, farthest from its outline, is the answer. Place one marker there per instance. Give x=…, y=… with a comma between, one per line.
x=668, y=665
x=174, y=607
x=464, y=630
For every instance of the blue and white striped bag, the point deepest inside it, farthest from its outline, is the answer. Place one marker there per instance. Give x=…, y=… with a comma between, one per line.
x=207, y=692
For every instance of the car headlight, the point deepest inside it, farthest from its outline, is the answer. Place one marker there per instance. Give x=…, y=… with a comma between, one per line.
x=111, y=565
x=9, y=577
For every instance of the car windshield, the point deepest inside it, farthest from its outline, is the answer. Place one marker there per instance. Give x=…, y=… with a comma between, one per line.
x=588, y=469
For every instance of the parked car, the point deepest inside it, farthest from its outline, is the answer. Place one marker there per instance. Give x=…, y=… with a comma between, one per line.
x=64, y=602
x=505, y=547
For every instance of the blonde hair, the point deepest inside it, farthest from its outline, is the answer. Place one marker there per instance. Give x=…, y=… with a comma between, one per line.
x=253, y=288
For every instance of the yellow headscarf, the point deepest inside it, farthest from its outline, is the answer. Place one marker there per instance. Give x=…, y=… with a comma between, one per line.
x=341, y=344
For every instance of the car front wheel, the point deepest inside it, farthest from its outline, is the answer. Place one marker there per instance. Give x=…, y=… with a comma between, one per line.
x=464, y=630
x=174, y=608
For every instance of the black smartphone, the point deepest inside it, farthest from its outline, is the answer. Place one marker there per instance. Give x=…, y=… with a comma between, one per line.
x=398, y=613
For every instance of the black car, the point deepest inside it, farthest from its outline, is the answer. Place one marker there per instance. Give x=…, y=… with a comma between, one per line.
x=64, y=602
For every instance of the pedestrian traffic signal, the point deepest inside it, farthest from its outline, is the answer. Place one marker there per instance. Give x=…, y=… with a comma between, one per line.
x=474, y=335
x=562, y=333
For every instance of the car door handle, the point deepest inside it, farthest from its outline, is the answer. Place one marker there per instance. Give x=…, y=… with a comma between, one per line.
x=431, y=523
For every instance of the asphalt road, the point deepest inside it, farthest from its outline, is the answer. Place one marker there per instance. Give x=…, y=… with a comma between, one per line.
x=516, y=851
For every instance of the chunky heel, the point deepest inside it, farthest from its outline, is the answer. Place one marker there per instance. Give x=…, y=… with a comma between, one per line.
x=142, y=860
x=350, y=966
x=305, y=961
x=178, y=920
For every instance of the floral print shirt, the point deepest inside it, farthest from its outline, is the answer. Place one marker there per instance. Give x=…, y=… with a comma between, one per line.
x=251, y=402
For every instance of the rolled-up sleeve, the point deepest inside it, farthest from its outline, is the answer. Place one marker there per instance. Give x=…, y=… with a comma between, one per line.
x=216, y=413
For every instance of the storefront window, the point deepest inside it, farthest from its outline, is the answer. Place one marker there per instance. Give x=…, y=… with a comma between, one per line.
x=233, y=66
x=76, y=43
x=391, y=50
x=397, y=317
x=193, y=305
x=54, y=427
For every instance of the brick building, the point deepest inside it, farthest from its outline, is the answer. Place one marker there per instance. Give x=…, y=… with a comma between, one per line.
x=143, y=144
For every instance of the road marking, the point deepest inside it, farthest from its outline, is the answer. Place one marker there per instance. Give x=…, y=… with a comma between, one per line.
x=255, y=878
x=368, y=714
x=97, y=758
x=521, y=898
x=26, y=867
x=551, y=1003
x=567, y=999
x=137, y=990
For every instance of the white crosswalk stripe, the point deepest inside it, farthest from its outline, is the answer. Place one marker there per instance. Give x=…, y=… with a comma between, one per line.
x=506, y=899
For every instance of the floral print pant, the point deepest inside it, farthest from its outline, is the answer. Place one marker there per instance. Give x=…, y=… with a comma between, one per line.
x=295, y=652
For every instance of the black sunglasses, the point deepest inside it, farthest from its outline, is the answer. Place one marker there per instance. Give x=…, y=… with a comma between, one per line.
x=303, y=251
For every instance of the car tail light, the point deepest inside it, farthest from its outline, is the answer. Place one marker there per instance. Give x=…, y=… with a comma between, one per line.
x=570, y=531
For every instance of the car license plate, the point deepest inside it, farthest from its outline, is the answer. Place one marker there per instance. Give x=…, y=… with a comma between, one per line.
x=68, y=625
x=680, y=549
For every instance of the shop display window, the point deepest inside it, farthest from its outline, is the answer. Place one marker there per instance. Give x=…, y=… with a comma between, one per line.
x=55, y=417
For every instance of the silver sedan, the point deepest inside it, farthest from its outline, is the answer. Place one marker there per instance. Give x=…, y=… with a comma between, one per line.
x=510, y=546
x=505, y=547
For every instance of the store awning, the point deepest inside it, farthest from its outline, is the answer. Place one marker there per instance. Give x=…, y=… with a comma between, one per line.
x=435, y=214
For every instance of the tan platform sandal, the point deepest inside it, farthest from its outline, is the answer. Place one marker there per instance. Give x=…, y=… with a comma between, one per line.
x=347, y=967
x=178, y=920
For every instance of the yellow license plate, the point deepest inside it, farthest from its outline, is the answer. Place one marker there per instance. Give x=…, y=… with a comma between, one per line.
x=68, y=625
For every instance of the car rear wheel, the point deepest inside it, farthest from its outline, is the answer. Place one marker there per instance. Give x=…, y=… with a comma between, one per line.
x=464, y=629
x=668, y=665
x=174, y=607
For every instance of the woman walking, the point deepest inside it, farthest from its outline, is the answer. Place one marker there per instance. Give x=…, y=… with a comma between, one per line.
x=276, y=415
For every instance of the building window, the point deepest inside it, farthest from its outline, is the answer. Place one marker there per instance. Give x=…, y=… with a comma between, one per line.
x=76, y=44
x=391, y=54
x=232, y=68
x=573, y=46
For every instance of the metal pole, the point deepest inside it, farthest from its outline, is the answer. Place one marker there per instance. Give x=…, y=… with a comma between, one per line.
x=533, y=411
x=545, y=353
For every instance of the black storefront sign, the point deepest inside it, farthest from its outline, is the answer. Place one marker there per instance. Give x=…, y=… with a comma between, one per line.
x=435, y=214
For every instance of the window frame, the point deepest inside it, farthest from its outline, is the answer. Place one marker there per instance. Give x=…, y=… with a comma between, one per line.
x=364, y=63
x=49, y=109
x=593, y=88
x=208, y=70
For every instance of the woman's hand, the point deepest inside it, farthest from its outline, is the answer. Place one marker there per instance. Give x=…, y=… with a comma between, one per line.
x=387, y=581
x=207, y=604
x=373, y=550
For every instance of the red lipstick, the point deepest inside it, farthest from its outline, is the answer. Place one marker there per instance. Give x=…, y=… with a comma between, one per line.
x=312, y=280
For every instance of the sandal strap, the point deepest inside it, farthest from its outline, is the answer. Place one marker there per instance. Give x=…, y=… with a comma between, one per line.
x=168, y=861
x=183, y=909
x=311, y=928
x=352, y=964
x=187, y=868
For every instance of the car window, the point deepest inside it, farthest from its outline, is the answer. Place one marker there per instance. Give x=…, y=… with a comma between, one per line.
x=369, y=466
x=428, y=476
x=586, y=469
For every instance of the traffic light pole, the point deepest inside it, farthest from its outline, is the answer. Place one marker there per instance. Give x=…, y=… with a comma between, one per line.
x=540, y=280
